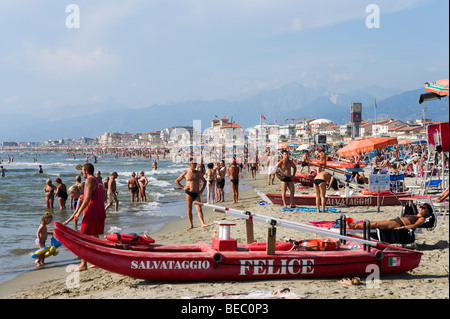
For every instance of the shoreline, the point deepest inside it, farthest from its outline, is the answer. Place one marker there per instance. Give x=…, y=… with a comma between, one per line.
x=429, y=280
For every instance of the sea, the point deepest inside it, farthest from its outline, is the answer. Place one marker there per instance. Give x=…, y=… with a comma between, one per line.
x=22, y=201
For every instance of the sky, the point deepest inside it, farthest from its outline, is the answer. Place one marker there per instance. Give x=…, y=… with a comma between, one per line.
x=58, y=54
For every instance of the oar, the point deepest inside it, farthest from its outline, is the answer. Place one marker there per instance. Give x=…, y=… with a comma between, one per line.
x=285, y=223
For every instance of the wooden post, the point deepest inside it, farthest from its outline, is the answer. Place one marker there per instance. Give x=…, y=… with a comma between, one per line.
x=271, y=240
x=378, y=201
x=249, y=231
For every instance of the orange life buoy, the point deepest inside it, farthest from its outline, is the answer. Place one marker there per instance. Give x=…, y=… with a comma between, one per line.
x=318, y=244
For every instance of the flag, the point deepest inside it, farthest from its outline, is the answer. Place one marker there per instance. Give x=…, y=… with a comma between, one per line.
x=305, y=126
x=375, y=101
x=394, y=261
x=263, y=117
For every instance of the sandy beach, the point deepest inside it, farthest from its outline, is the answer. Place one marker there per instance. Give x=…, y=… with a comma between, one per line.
x=429, y=280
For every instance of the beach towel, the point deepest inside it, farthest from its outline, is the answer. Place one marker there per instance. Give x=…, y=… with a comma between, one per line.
x=330, y=224
x=304, y=209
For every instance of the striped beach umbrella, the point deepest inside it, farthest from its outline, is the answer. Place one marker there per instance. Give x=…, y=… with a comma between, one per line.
x=439, y=87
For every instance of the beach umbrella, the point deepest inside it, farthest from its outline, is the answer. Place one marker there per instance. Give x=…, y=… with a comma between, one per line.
x=419, y=142
x=439, y=87
x=365, y=145
x=302, y=147
x=436, y=90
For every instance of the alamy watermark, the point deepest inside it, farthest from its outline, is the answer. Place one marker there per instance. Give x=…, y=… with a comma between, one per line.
x=73, y=17
x=373, y=19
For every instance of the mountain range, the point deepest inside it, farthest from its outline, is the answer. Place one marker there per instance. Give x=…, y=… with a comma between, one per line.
x=291, y=101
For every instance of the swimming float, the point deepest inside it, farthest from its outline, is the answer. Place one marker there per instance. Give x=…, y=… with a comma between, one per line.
x=48, y=250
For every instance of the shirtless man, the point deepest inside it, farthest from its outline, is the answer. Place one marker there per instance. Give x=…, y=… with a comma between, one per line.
x=221, y=172
x=233, y=172
x=143, y=181
x=287, y=170
x=192, y=190
x=305, y=162
x=133, y=187
x=112, y=192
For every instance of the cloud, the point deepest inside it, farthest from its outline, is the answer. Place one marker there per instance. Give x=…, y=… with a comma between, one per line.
x=10, y=100
x=339, y=77
x=66, y=61
x=432, y=69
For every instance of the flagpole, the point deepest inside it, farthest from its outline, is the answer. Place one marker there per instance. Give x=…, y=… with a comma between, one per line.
x=376, y=111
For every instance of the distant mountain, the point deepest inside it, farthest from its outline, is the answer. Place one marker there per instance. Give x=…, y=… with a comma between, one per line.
x=289, y=101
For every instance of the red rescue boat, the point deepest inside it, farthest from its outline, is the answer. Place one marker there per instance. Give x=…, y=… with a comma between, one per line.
x=304, y=179
x=386, y=199
x=225, y=260
x=335, y=164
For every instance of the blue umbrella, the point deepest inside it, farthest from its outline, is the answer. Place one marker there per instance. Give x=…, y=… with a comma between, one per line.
x=420, y=142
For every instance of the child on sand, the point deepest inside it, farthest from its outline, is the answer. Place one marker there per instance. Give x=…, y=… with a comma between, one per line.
x=42, y=234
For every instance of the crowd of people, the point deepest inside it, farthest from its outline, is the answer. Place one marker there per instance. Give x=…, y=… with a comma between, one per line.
x=96, y=195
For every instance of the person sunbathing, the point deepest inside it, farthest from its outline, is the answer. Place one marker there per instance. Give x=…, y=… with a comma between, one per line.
x=406, y=222
x=442, y=197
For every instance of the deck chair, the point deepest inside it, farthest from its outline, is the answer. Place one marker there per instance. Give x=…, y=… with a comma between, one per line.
x=406, y=236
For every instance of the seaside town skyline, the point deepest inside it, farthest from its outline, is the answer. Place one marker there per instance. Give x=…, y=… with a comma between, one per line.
x=223, y=131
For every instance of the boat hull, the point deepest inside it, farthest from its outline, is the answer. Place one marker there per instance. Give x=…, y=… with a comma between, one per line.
x=303, y=179
x=208, y=264
x=330, y=201
x=335, y=164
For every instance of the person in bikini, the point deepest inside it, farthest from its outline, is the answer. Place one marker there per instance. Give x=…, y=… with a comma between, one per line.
x=193, y=191
x=210, y=176
x=406, y=222
x=49, y=190
x=320, y=187
x=143, y=182
x=285, y=169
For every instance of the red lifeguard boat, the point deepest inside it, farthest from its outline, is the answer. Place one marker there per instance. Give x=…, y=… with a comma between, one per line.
x=386, y=199
x=224, y=259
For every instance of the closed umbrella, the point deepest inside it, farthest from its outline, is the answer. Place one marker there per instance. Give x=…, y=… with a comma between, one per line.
x=366, y=145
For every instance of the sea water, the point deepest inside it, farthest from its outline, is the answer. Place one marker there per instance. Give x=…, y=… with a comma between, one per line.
x=22, y=202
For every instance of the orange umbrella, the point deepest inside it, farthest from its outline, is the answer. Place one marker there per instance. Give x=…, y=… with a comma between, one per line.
x=366, y=145
x=439, y=87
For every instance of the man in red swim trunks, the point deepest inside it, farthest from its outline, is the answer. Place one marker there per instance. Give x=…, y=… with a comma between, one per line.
x=93, y=207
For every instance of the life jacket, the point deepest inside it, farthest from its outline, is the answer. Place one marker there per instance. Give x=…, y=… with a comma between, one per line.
x=129, y=239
